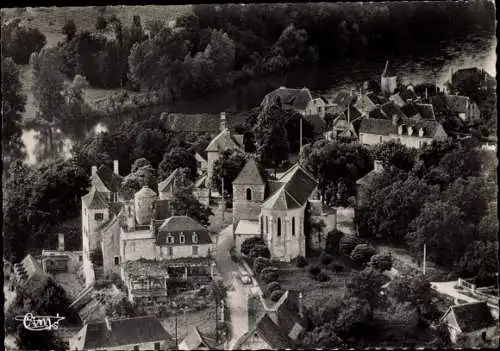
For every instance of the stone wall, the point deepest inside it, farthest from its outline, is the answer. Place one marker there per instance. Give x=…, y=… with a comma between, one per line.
x=111, y=246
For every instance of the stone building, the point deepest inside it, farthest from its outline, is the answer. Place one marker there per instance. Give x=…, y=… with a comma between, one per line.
x=273, y=209
x=299, y=100
x=388, y=81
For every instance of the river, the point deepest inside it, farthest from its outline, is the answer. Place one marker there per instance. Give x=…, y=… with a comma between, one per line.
x=425, y=65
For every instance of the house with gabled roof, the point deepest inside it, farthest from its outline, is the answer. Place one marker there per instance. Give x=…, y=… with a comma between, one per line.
x=138, y=333
x=273, y=210
x=368, y=102
x=472, y=324
x=345, y=124
x=29, y=273
x=195, y=340
x=457, y=105
x=419, y=111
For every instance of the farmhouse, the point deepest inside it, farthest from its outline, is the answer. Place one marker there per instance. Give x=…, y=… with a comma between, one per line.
x=299, y=100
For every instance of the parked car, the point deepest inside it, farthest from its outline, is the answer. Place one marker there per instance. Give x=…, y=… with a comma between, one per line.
x=245, y=278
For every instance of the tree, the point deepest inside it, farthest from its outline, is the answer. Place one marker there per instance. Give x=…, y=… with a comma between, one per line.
x=479, y=260
x=395, y=154
x=259, y=264
x=219, y=290
x=322, y=336
x=101, y=23
x=462, y=162
x=271, y=287
x=248, y=244
x=381, y=262
x=271, y=136
x=354, y=315
x=441, y=226
x=268, y=275
x=221, y=51
x=178, y=157
x=19, y=42
x=227, y=167
x=276, y=295
x=13, y=106
x=417, y=291
x=48, y=88
x=332, y=241
x=69, y=29
x=347, y=243
x=366, y=285
x=362, y=253
x=259, y=250
x=185, y=204
x=402, y=317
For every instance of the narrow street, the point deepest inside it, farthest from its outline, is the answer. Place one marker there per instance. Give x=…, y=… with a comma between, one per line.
x=237, y=296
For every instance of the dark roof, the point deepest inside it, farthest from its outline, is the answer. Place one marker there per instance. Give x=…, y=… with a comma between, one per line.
x=410, y=110
x=111, y=180
x=288, y=315
x=368, y=178
x=124, y=332
x=115, y=207
x=161, y=209
x=164, y=184
x=225, y=140
x=457, y=103
x=426, y=111
x=94, y=200
x=250, y=174
x=377, y=114
x=473, y=316
x=273, y=334
x=318, y=123
x=407, y=94
x=386, y=127
x=176, y=225
x=290, y=98
x=390, y=109
x=344, y=98
x=376, y=99
x=200, y=123
x=29, y=268
x=439, y=103
x=194, y=339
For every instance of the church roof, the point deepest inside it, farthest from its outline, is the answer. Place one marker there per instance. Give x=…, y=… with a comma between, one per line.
x=297, y=186
x=388, y=71
x=250, y=174
x=94, y=200
x=224, y=140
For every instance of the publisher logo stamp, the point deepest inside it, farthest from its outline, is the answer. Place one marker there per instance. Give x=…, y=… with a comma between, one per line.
x=39, y=323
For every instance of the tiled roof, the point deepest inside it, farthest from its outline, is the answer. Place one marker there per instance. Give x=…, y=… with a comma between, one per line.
x=376, y=99
x=194, y=339
x=29, y=268
x=94, y=200
x=164, y=184
x=115, y=207
x=250, y=174
x=111, y=180
x=290, y=98
x=127, y=331
x=200, y=123
x=439, y=103
x=377, y=114
x=473, y=316
x=344, y=98
x=410, y=110
x=273, y=334
x=376, y=126
x=297, y=186
x=369, y=177
x=390, y=109
x=386, y=127
x=176, y=225
x=426, y=111
x=224, y=140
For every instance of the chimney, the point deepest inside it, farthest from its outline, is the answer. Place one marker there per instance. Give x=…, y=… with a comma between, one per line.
x=116, y=169
x=108, y=323
x=223, y=124
x=378, y=166
x=94, y=171
x=301, y=305
x=60, y=241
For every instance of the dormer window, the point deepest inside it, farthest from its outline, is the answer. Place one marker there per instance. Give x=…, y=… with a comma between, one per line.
x=421, y=132
x=195, y=238
x=401, y=129
x=182, y=238
x=410, y=131
x=170, y=239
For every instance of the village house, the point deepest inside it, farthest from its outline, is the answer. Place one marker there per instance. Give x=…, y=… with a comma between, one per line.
x=460, y=106
x=345, y=125
x=418, y=111
x=130, y=334
x=341, y=101
x=367, y=102
x=222, y=141
x=299, y=100
x=279, y=327
x=29, y=273
x=200, y=123
x=195, y=340
x=61, y=261
x=471, y=324
x=409, y=132
x=274, y=210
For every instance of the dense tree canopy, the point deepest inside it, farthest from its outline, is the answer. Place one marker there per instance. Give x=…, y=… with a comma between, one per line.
x=19, y=42
x=227, y=167
x=178, y=157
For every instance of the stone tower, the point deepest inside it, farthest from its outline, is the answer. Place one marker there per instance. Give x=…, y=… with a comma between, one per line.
x=388, y=81
x=248, y=193
x=143, y=201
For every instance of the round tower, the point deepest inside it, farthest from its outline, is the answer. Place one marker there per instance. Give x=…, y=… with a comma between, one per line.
x=143, y=201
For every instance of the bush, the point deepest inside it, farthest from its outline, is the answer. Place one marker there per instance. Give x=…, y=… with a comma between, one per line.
x=332, y=241
x=381, y=262
x=270, y=287
x=362, y=253
x=259, y=264
x=336, y=267
x=260, y=251
x=314, y=270
x=69, y=29
x=249, y=244
x=322, y=277
x=347, y=244
x=101, y=23
x=276, y=295
x=300, y=261
x=325, y=258
x=268, y=275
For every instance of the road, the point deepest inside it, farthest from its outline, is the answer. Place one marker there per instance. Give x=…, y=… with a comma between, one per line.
x=237, y=296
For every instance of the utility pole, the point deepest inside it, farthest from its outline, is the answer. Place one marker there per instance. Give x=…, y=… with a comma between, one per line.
x=300, y=150
x=176, y=335
x=223, y=200
x=425, y=254
x=217, y=321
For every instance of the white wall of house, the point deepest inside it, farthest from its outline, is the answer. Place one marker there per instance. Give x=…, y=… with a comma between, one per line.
x=212, y=156
x=131, y=250
x=142, y=346
x=179, y=251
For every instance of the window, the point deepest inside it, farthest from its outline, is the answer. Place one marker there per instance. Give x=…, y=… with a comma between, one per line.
x=99, y=216
x=249, y=194
x=129, y=211
x=195, y=250
x=157, y=346
x=267, y=226
x=182, y=238
x=170, y=251
x=293, y=225
x=170, y=239
x=80, y=258
x=117, y=260
x=261, y=225
x=195, y=238
x=279, y=227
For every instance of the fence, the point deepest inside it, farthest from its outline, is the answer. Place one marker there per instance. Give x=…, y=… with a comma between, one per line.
x=488, y=294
